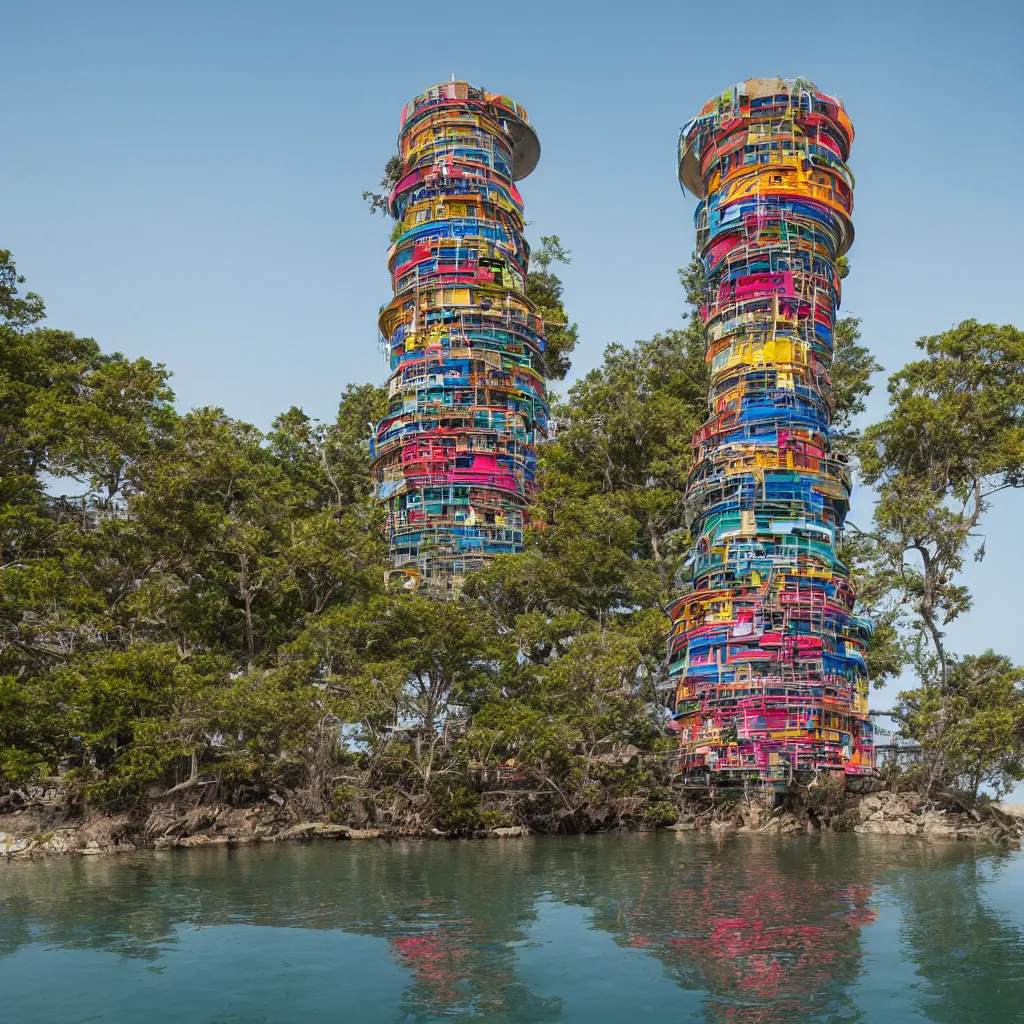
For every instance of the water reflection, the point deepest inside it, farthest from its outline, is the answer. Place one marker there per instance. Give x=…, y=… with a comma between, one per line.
x=764, y=931
x=765, y=940
x=961, y=945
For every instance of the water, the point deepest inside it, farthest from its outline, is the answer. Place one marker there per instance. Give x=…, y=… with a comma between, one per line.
x=595, y=929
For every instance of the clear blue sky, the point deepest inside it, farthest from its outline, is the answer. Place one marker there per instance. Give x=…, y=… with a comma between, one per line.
x=182, y=180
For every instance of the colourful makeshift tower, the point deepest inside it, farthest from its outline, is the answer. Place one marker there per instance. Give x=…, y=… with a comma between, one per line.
x=766, y=647
x=454, y=459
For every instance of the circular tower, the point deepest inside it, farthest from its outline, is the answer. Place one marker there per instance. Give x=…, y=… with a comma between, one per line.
x=766, y=648
x=454, y=459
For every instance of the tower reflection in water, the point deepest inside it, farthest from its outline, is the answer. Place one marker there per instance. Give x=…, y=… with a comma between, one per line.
x=765, y=940
x=536, y=930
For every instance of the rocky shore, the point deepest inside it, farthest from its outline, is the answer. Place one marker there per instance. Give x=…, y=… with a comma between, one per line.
x=45, y=829
x=909, y=814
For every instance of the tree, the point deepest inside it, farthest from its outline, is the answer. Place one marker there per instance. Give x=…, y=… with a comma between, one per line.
x=380, y=202
x=346, y=456
x=396, y=668
x=544, y=290
x=16, y=313
x=852, y=368
x=954, y=436
x=878, y=590
x=971, y=732
x=119, y=412
x=209, y=618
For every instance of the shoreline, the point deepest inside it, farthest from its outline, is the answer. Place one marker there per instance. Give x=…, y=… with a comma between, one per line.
x=42, y=834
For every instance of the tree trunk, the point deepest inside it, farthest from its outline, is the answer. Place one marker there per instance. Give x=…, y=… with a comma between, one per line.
x=245, y=592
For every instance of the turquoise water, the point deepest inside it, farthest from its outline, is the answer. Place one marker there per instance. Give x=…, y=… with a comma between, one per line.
x=595, y=929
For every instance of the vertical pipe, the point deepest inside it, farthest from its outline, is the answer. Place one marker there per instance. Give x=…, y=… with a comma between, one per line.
x=454, y=459
x=767, y=648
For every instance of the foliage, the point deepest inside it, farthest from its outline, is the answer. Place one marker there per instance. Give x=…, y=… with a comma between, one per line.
x=952, y=439
x=208, y=618
x=972, y=732
x=852, y=368
x=380, y=202
x=544, y=289
x=954, y=436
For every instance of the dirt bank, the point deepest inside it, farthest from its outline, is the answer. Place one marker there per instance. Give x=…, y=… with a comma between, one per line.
x=45, y=827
